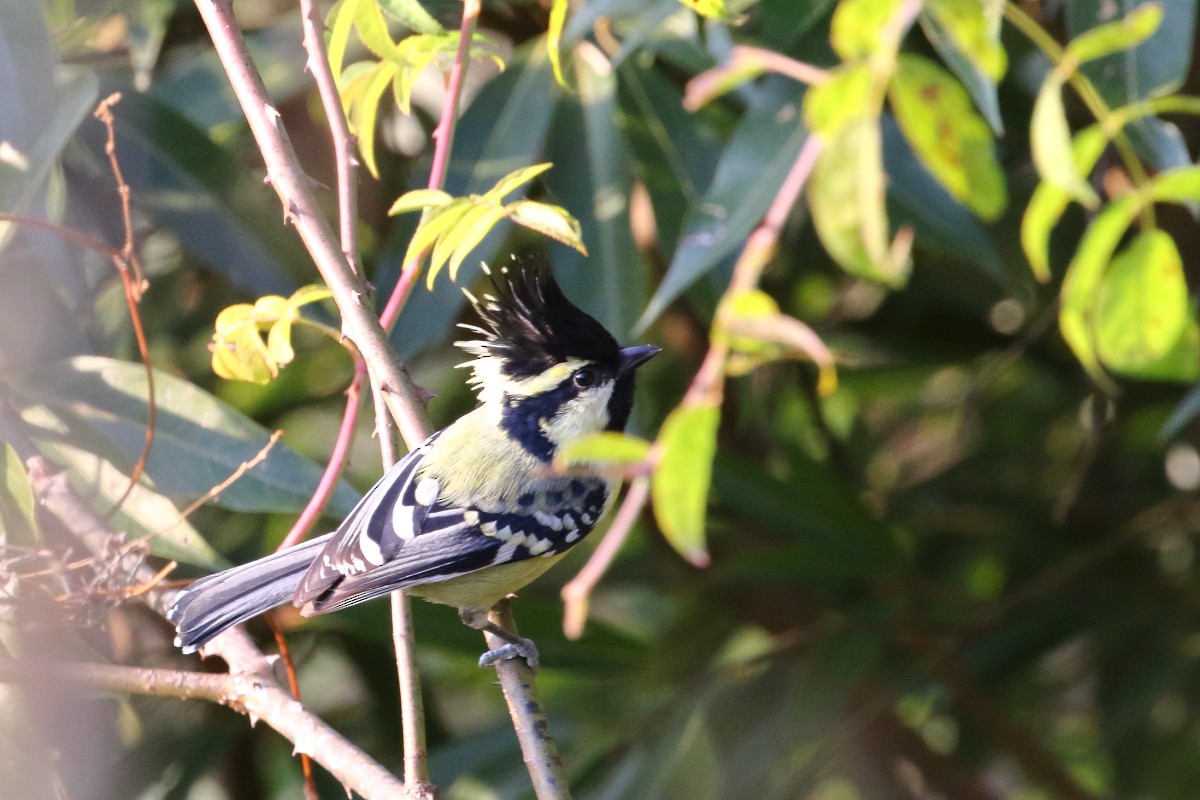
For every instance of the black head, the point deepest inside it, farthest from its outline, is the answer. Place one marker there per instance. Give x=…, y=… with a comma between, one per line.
x=532, y=325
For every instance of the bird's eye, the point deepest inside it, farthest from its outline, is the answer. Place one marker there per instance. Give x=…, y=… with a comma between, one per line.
x=583, y=378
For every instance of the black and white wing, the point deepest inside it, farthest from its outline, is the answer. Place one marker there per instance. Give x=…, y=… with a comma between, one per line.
x=400, y=535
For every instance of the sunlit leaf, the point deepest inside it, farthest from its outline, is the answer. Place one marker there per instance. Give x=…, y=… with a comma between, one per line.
x=1177, y=186
x=952, y=140
x=846, y=198
x=845, y=97
x=548, y=220
x=1114, y=37
x=1048, y=202
x=373, y=29
x=1142, y=308
x=514, y=180
x=419, y=199
x=858, y=25
x=681, y=481
x=412, y=15
x=476, y=225
x=558, y=19
x=438, y=222
x=973, y=26
x=1082, y=281
x=604, y=448
x=708, y=8
x=18, y=519
x=1051, y=141
x=367, y=113
x=338, y=39
x=238, y=351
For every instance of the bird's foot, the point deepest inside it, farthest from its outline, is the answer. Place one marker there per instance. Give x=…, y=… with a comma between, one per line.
x=522, y=648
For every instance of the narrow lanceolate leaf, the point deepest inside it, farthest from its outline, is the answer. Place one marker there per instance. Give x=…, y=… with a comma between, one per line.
x=681, y=482
x=606, y=448
x=952, y=140
x=1142, y=312
x=558, y=19
x=373, y=29
x=367, y=113
x=18, y=520
x=1051, y=141
x=1115, y=37
x=342, y=15
x=419, y=199
x=439, y=223
x=1048, y=202
x=1082, y=281
x=476, y=224
x=514, y=180
x=857, y=27
x=411, y=15
x=846, y=197
x=973, y=27
x=548, y=220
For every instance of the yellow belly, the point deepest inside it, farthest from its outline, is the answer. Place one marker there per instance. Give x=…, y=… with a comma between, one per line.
x=479, y=591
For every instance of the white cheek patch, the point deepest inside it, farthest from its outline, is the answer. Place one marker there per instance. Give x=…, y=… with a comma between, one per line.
x=585, y=415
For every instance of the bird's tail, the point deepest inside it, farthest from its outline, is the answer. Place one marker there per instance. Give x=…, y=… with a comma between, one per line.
x=216, y=602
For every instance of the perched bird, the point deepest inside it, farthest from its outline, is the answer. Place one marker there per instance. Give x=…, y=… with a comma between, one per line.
x=474, y=513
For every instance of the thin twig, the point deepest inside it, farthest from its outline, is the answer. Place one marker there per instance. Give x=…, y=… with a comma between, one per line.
x=528, y=717
x=289, y=670
x=294, y=188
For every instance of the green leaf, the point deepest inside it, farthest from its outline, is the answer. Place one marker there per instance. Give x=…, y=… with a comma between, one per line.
x=681, y=482
x=18, y=519
x=373, y=29
x=978, y=83
x=554, y=31
x=843, y=98
x=1082, y=281
x=846, y=199
x=1051, y=142
x=857, y=27
x=973, y=26
x=604, y=448
x=339, y=22
x=548, y=220
x=1115, y=37
x=411, y=15
x=715, y=9
x=199, y=441
x=953, y=141
x=367, y=112
x=419, y=199
x=1177, y=186
x=437, y=223
x=514, y=180
x=1049, y=202
x=1142, y=310
x=476, y=224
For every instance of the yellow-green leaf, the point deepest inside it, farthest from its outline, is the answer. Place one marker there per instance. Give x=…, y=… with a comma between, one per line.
x=681, y=482
x=342, y=15
x=411, y=15
x=514, y=180
x=477, y=224
x=435, y=225
x=857, y=27
x=1051, y=144
x=715, y=9
x=1048, y=202
x=945, y=131
x=548, y=220
x=419, y=199
x=1181, y=185
x=846, y=197
x=607, y=448
x=844, y=97
x=373, y=29
x=558, y=20
x=1084, y=273
x=1118, y=36
x=1142, y=309
x=367, y=112
x=974, y=27
x=18, y=517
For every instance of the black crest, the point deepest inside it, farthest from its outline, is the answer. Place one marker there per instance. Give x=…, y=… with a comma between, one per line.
x=534, y=326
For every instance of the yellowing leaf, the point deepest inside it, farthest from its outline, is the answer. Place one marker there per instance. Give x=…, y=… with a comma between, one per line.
x=1142, y=308
x=1051, y=142
x=514, y=180
x=857, y=26
x=1115, y=37
x=974, y=28
x=604, y=448
x=558, y=19
x=476, y=225
x=419, y=199
x=708, y=8
x=846, y=197
x=1048, y=202
x=954, y=143
x=548, y=220
x=681, y=482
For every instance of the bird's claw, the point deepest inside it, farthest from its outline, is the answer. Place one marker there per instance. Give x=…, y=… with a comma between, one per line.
x=525, y=649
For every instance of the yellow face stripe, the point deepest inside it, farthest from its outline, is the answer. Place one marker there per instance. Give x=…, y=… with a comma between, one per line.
x=544, y=382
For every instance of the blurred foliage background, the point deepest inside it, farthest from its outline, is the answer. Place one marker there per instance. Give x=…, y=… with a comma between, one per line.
x=970, y=572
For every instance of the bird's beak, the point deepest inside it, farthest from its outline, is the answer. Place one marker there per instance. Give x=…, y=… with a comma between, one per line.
x=634, y=357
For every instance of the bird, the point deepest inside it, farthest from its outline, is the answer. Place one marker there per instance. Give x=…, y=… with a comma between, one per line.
x=475, y=512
